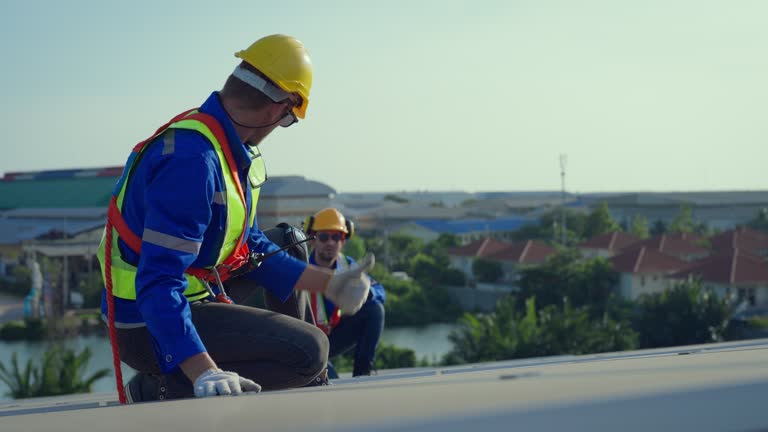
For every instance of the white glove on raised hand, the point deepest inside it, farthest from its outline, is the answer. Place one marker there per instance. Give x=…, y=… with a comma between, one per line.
x=348, y=289
x=215, y=382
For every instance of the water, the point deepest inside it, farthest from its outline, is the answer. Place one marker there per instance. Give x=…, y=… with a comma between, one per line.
x=429, y=342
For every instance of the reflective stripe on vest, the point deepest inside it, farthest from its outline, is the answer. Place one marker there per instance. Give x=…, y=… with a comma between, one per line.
x=318, y=303
x=123, y=273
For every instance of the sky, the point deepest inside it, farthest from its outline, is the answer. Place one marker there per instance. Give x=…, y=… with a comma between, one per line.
x=412, y=95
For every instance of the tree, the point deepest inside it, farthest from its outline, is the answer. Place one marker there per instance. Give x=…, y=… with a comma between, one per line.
x=760, y=222
x=639, y=227
x=600, y=221
x=508, y=333
x=659, y=227
x=61, y=372
x=548, y=227
x=354, y=247
x=424, y=269
x=683, y=222
x=486, y=270
x=588, y=283
x=682, y=315
x=401, y=249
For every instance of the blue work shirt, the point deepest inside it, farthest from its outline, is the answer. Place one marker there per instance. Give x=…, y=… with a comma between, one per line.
x=377, y=294
x=170, y=202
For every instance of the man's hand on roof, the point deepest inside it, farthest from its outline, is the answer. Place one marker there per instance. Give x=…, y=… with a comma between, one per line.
x=215, y=382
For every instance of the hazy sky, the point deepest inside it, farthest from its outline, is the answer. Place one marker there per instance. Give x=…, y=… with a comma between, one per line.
x=412, y=95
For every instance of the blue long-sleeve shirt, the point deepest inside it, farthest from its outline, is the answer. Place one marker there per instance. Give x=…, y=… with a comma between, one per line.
x=170, y=201
x=378, y=295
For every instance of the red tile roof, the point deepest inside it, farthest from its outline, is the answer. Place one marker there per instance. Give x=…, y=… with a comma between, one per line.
x=614, y=241
x=479, y=248
x=732, y=267
x=672, y=245
x=647, y=260
x=742, y=238
x=528, y=252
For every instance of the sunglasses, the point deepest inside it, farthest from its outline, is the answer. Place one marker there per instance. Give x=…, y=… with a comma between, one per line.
x=288, y=119
x=324, y=237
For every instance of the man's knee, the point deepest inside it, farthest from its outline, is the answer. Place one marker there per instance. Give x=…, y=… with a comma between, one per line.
x=318, y=355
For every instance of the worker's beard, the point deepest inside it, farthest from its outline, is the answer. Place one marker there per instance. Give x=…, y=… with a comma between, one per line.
x=327, y=254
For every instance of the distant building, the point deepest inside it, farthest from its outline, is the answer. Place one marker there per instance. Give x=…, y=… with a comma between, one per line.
x=512, y=257
x=389, y=218
x=644, y=270
x=607, y=245
x=719, y=210
x=743, y=239
x=676, y=245
x=466, y=230
x=61, y=214
x=733, y=273
x=291, y=199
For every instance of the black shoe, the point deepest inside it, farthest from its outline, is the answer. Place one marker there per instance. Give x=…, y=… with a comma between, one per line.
x=364, y=370
x=320, y=380
x=144, y=387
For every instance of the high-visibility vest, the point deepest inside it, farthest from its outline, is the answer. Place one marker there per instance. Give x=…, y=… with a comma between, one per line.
x=323, y=320
x=234, y=251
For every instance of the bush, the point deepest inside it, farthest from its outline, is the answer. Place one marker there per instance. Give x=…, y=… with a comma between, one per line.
x=61, y=372
x=686, y=314
x=19, y=283
x=23, y=330
x=387, y=357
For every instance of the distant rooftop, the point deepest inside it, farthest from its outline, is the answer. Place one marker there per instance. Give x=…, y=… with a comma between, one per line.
x=89, y=188
x=475, y=225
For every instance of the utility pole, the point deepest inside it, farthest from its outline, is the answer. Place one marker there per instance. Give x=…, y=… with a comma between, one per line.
x=563, y=161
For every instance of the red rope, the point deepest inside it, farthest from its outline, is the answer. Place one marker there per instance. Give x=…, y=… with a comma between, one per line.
x=111, y=311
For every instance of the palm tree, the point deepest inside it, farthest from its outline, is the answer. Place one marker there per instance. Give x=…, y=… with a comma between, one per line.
x=61, y=372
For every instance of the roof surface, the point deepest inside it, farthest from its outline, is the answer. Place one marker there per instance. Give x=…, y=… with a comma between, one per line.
x=718, y=387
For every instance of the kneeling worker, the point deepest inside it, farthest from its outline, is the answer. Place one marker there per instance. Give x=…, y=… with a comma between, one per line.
x=360, y=330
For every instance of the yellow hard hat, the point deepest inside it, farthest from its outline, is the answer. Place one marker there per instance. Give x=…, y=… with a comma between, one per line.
x=284, y=60
x=329, y=219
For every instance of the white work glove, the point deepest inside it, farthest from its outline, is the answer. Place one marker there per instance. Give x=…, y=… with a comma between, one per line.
x=214, y=382
x=348, y=289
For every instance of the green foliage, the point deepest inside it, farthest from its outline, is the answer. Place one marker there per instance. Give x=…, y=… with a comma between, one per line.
x=61, y=372
x=91, y=289
x=424, y=269
x=684, y=222
x=682, y=315
x=354, y=247
x=400, y=250
x=453, y=277
x=486, y=270
x=509, y=333
x=411, y=304
x=392, y=357
x=565, y=275
x=639, y=227
x=387, y=357
x=600, y=222
x=23, y=330
x=19, y=283
x=659, y=227
x=760, y=222
x=548, y=228
x=395, y=198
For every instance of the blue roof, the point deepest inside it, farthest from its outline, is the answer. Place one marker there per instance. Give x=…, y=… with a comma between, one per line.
x=475, y=225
